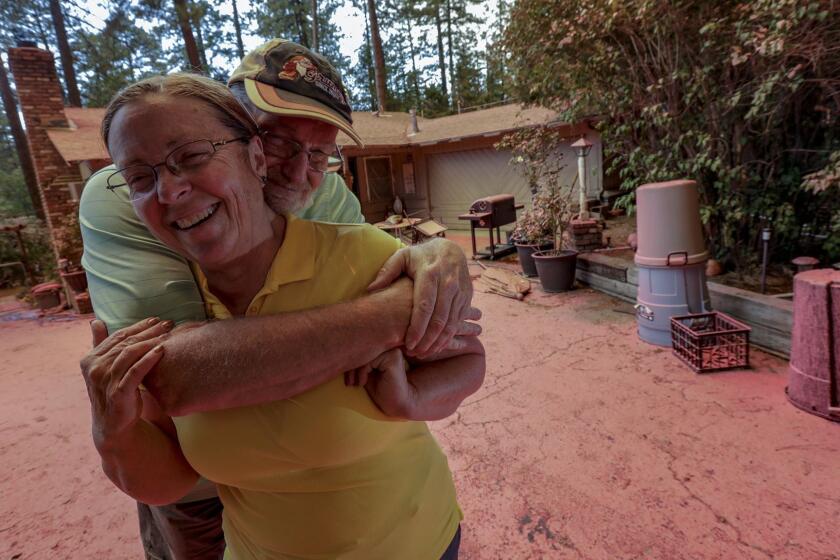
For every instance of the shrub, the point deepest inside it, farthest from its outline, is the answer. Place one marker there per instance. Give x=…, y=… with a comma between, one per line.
x=743, y=97
x=36, y=239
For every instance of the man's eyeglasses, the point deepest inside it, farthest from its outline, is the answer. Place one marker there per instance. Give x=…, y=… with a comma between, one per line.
x=141, y=178
x=317, y=160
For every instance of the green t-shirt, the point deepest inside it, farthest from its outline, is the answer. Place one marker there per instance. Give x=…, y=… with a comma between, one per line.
x=132, y=275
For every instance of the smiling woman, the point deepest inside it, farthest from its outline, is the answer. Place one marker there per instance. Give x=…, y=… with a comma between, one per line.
x=194, y=166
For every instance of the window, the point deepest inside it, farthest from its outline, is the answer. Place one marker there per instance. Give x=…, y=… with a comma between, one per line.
x=380, y=183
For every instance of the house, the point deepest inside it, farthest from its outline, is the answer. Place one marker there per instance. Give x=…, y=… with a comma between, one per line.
x=438, y=167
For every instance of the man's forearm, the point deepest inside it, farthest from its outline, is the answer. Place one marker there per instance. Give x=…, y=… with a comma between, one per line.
x=146, y=464
x=440, y=386
x=253, y=360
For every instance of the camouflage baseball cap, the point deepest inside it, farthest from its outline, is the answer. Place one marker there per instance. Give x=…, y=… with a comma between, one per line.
x=286, y=78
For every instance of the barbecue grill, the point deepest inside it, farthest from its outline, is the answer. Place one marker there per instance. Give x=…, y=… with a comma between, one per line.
x=491, y=213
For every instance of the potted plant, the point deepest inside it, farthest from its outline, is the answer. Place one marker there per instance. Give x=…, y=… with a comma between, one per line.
x=536, y=151
x=531, y=235
x=556, y=267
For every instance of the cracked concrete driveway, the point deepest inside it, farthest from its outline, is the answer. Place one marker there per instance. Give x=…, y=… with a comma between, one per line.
x=584, y=442
x=587, y=443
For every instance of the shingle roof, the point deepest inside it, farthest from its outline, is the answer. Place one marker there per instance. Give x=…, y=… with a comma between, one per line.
x=392, y=128
x=81, y=141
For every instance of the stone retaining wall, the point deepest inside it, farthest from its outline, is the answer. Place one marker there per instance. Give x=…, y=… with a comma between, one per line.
x=770, y=318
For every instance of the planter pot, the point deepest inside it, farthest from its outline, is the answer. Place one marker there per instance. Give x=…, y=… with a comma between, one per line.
x=524, y=251
x=556, y=269
x=76, y=280
x=83, y=304
x=47, y=295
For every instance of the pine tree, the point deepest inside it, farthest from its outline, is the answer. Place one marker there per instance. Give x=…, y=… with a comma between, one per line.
x=120, y=53
x=468, y=77
x=237, y=27
x=25, y=19
x=13, y=134
x=361, y=79
x=379, y=73
x=66, y=54
x=216, y=40
x=184, y=19
x=463, y=59
x=498, y=82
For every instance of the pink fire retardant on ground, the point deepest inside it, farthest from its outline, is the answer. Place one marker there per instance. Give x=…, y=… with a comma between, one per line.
x=584, y=443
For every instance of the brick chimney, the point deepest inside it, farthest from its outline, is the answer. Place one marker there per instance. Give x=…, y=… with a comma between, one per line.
x=42, y=105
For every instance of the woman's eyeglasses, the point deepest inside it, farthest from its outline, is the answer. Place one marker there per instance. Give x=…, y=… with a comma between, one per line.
x=141, y=178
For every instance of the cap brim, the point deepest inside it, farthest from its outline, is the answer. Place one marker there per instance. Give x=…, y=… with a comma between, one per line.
x=281, y=102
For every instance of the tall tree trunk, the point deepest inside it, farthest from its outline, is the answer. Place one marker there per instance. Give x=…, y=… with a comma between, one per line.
x=452, y=79
x=371, y=79
x=300, y=21
x=413, y=59
x=378, y=57
x=441, y=58
x=73, y=96
x=199, y=41
x=314, y=25
x=237, y=27
x=183, y=13
x=22, y=147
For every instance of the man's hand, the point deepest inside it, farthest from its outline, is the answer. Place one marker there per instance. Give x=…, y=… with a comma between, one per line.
x=442, y=293
x=387, y=384
x=113, y=371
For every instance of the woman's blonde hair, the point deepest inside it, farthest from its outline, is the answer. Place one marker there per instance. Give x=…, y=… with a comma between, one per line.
x=228, y=109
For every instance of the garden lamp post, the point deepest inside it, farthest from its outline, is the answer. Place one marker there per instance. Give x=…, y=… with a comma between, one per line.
x=582, y=147
x=765, y=243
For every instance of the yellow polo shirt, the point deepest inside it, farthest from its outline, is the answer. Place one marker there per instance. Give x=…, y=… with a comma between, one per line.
x=325, y=474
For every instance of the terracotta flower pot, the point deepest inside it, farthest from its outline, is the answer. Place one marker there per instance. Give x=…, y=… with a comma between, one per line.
x=524, y=251
x=556, y=269
x=47, y=295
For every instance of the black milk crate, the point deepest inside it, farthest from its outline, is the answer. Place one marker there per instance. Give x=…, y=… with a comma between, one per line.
x=710, y=341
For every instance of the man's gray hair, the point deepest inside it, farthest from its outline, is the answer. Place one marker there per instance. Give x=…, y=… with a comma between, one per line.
x=238, y=90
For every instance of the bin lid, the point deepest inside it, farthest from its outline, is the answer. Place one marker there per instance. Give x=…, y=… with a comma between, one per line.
x=668, y=224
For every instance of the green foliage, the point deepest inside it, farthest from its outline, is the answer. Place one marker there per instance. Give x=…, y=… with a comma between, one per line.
x=110, y=58
x=497, y=59
x=36, y=240
x=14, y=198
x=741, y=96
x=435, y=102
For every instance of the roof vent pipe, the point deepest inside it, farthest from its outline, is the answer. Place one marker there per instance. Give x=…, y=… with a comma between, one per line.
x=414, y=128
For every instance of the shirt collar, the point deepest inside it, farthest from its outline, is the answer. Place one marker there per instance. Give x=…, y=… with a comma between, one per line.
x=294, y=262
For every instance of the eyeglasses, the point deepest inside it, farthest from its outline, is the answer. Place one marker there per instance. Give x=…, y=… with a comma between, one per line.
x=142, y=178
x=284, y=148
